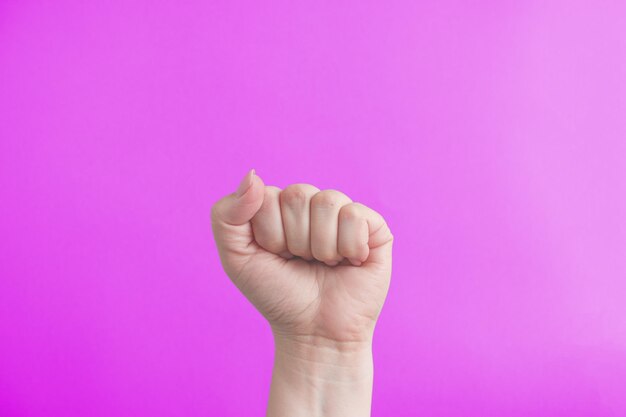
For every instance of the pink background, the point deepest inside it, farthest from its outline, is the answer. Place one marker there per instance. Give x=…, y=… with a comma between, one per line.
x=492, y=136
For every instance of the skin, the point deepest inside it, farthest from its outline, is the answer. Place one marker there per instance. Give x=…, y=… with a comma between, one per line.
x=317, y=266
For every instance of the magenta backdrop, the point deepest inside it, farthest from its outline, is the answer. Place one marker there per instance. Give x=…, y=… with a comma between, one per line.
x=492, y=136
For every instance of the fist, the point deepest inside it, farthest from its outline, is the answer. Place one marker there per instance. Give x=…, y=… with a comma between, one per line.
x=314, y=263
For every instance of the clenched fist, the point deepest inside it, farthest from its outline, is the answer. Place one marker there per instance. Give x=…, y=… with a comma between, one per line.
x=316, y=264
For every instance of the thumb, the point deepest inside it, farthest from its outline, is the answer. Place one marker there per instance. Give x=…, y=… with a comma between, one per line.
x=231, y=215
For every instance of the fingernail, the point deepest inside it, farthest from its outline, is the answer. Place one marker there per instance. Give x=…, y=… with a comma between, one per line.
x=246, y=183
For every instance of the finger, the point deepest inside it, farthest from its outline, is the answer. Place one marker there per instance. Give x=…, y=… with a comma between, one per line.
x=267, y=224
x=230, y=216
x=325, y=207
x=230, y=222
x=295, y=201
x=353, y=234
x=364, y=236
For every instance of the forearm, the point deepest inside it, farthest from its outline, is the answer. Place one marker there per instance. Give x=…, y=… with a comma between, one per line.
x=321, y=378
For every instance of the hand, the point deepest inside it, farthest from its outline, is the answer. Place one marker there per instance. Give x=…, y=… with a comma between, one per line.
x=317, y=266
x=314, y=263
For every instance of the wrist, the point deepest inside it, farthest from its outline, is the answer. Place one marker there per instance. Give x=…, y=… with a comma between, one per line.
x=320, y=353
x=315, y=376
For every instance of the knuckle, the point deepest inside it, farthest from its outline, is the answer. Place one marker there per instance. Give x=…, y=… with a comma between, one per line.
x=270, y=200
x=216, y=209
x=271, y=190
x=294, y=195
x=329, y=198
x=350, y=212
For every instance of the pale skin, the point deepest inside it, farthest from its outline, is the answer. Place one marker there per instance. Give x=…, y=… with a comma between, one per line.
x=317, y=266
